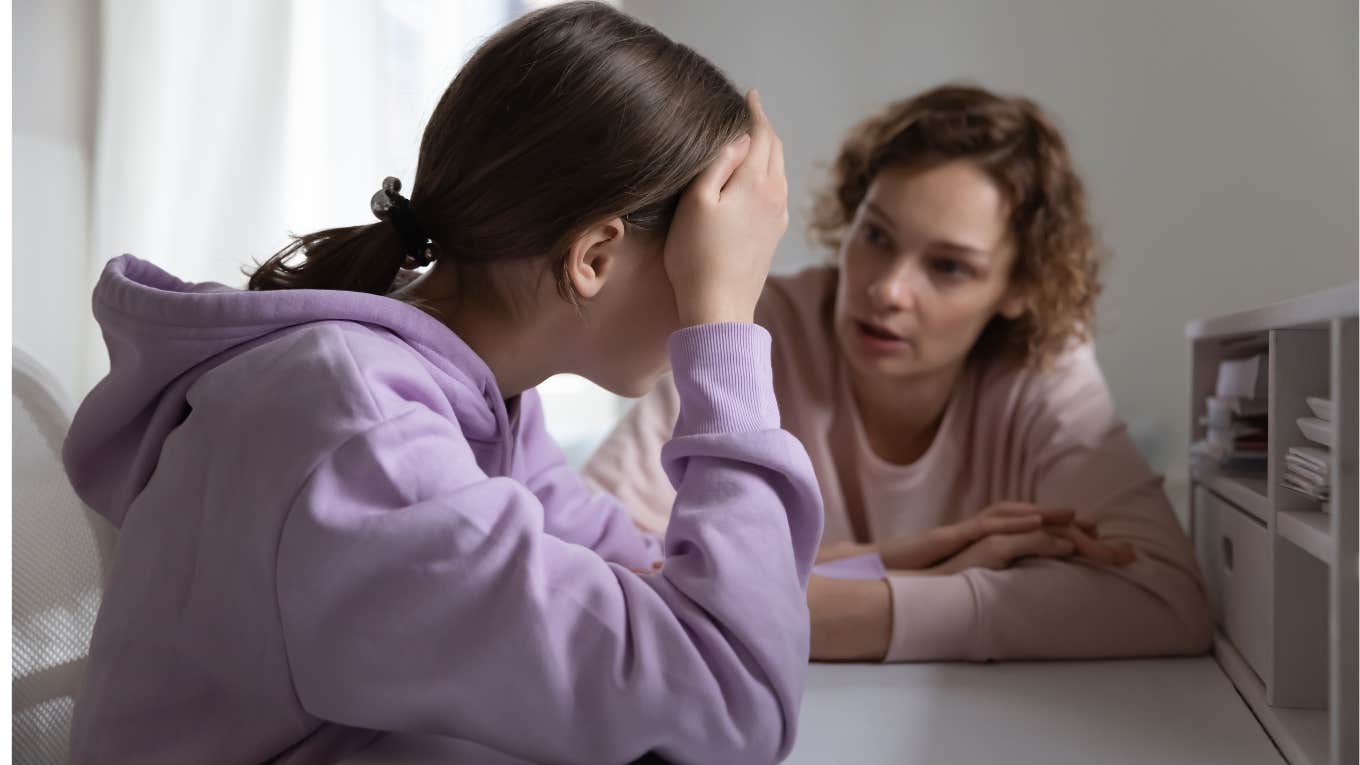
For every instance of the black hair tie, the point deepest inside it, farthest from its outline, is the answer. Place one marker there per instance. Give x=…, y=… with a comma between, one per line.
x=391, y=207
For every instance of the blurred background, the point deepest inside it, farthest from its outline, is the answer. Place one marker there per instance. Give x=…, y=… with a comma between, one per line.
x=1217, y=138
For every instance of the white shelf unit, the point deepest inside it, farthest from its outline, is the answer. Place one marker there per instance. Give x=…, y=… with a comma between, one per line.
x=1281, y=573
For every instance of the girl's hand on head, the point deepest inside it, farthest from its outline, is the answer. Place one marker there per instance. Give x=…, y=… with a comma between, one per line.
x=729, y=220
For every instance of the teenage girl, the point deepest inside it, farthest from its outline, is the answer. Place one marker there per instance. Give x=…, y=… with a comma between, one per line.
x=340, y=514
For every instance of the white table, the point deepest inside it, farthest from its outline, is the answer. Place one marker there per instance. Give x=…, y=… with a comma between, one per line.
x=1159, y=711
x=1143, y=711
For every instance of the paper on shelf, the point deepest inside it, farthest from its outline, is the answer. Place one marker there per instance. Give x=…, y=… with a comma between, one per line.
x=1312, y=457
x=1237, y=378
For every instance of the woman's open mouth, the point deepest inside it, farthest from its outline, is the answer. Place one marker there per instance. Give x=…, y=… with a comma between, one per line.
x=877, y=339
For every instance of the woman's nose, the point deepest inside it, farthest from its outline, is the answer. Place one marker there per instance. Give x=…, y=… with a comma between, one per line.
x=892, y=291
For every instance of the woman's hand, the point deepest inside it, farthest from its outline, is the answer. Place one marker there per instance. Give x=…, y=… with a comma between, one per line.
x=1004, y=519
x=719, y=248
x=999, y=551
x=925, y=550
x=1050, y=540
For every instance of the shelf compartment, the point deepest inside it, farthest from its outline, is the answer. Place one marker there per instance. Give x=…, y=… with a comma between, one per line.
x=1311, y=530
x=1249, y=491
x=1302, y=735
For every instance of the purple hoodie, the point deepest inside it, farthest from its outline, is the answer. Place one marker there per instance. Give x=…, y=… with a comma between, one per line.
x=332, y=526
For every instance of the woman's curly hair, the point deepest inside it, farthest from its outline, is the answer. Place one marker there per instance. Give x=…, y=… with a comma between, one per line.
x=1057, y=260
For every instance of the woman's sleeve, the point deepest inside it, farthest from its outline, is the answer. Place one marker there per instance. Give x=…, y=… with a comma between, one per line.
x=433, y=601
x=628, y=464
x=1077, y=454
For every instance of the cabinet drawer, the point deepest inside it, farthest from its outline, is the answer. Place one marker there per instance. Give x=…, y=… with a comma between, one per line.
x=1234, y=553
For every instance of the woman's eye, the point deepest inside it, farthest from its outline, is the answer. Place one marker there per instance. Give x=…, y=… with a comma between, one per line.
x=950, y=268
x=876, y=236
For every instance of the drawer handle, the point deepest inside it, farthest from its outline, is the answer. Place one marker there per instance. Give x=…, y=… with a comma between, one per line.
x=1227, y=554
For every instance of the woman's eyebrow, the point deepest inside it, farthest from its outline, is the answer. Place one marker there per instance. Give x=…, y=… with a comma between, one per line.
x=878, y=213
x=944, y=245
x=955, y=248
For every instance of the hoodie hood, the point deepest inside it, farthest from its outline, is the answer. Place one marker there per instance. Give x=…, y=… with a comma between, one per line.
x=163, y=333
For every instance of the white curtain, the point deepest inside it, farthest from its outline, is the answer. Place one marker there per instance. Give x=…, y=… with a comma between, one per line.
x=222, y=127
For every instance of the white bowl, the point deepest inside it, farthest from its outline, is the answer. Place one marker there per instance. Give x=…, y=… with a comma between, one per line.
x=1321, y=407
x=1316, y=430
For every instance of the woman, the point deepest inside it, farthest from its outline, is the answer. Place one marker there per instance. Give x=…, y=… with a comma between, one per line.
x=941, y=377
x=339, y=511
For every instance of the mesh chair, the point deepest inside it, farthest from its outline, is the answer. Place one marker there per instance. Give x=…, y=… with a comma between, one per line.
x=62, y=552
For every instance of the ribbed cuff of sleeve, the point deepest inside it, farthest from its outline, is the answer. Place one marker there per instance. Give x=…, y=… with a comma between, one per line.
x=723, y=376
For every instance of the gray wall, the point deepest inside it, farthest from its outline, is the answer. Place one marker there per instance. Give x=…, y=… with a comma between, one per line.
x=1218, y=139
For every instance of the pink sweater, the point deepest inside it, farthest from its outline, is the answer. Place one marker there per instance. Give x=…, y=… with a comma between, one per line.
x=1008, y=433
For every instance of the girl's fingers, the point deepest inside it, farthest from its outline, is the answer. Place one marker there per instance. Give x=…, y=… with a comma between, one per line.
x=776, y=169
x=710, y=183
x=762, y=135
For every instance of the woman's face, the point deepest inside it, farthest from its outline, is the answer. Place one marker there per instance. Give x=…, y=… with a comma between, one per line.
x=924, y=266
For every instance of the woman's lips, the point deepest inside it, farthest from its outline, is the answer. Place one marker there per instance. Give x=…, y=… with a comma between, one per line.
x=876, y=339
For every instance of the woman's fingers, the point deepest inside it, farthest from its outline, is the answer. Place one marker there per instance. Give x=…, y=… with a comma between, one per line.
x=1050, y=514
x=711, y=181
x=1089, y=527
x=1096, y=550
x=1039, y=543
x=1007, y=524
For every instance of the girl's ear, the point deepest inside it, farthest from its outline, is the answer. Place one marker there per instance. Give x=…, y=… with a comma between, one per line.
x=593, y=255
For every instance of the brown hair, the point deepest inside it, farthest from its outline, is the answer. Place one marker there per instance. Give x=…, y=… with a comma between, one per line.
x=1057, y=260
x=569, y=115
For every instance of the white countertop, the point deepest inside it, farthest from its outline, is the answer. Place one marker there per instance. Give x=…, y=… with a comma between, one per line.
x=1159, y=711
x=1143, y=711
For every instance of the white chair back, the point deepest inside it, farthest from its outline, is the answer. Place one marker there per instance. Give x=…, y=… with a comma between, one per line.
x=62, y=553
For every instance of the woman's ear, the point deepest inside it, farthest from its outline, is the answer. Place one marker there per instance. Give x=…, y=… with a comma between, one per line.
x=1013, y=303
x=593, y=256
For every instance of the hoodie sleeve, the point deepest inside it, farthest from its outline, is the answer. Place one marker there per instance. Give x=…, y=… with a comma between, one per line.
x=572, y=511
x=424, y=601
